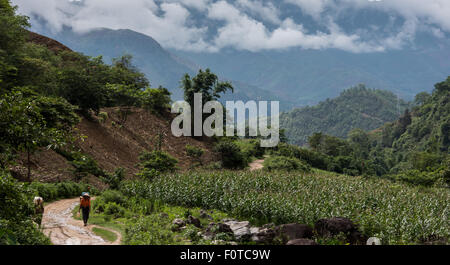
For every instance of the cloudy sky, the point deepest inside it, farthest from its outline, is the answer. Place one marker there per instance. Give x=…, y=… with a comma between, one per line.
x=254, y=25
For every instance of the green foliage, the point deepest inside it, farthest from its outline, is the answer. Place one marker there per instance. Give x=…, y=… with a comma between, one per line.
x=29, y=121
x=413, y=149
x=285, y=163
x=114, y=179
x=113, y=196
x=156, y=162
x=54, y=191
x=149, y=230
x=251, y=148
x=85, y=165
x=115, y=210
x=16, y=214
x=357, y=107
x=105, y=234
x=395, y=212
x=231, y=155
x=12, y=30
x=156, y=100
x=314, y=159
x=194, y=152
x=206, y=83
x=417, y=177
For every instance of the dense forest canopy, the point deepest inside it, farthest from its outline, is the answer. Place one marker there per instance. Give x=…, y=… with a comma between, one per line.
x=415, y=148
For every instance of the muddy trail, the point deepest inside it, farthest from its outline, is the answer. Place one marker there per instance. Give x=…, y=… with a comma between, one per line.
x=62, y=229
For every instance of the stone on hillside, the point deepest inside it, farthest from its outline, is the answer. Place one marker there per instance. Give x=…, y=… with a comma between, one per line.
x=241, y=230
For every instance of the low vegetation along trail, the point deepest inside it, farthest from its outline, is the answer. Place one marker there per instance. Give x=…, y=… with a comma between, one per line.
x=62, y=229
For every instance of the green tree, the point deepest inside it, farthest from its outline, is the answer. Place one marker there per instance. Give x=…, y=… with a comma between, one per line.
x=29, y=122
x=206, y=83
x=13, y=33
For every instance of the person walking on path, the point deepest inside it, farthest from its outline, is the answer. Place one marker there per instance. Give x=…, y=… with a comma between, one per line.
x=38, y=210
x=85, y=206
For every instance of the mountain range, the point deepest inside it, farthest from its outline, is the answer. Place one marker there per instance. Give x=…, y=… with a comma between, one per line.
x=296, y=77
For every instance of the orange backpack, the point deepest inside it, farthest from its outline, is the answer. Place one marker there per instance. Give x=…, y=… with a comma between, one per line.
x=85, y=202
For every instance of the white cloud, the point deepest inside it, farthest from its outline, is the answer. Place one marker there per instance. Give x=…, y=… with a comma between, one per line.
x=265, y=11
x=244, y=24
x=242, y=32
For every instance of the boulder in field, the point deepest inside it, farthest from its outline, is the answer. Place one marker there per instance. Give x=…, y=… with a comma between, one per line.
x=340, y=225
x=194, y=221
x=241, y=230
x=289, y=232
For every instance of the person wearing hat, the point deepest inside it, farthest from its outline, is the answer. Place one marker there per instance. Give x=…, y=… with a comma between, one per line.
x=85, y=206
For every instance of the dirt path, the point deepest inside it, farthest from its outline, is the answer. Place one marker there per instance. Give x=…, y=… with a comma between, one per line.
x=62, y=229
x=256, y=165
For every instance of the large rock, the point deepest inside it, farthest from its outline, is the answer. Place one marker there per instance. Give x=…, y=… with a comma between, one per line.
x=241, y=230
x=337, y=225
x=213, y=229
x=194, y=221
x=302, y=242
x=177, y=224
x=264, y=235
x=289, y=232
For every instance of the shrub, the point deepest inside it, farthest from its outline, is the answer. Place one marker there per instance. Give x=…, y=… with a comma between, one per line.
x=158, y=160
x=156, y=100
x=148, y=174
x=84, y=165
x=53, y=191
x=285, y=163
x=113, y=196
x=16, y=214
x=417, y=177
x=114, y=210
x=47, y=191
x=114, y=179
x=251, y=148
x=231, y=155
x=194, y=152
x=315, y=159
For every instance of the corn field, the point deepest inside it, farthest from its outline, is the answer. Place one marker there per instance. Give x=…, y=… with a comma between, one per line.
x=396, y=213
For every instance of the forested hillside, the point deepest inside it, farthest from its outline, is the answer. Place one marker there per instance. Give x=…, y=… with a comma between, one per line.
x=413, y=149
x=357, y=107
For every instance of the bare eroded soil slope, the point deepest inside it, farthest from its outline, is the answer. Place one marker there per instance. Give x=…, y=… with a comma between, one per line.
x=114, y=143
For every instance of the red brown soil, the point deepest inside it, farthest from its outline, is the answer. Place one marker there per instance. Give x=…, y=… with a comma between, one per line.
x=114, y=145
x=51, y=44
